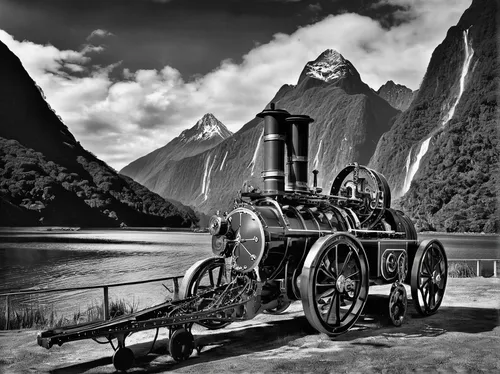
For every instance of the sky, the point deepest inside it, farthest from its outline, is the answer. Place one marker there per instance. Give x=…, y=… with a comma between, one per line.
x=127, y=76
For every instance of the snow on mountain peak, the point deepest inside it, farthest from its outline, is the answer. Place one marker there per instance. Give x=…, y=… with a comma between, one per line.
x=330, y=65
x=206, y=128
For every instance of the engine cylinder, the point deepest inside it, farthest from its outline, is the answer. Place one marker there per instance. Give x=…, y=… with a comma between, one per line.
x=297, y=144
x=274, y=150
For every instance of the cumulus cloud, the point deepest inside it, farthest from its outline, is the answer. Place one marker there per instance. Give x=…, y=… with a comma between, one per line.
x=121, y=120
x=99, y=33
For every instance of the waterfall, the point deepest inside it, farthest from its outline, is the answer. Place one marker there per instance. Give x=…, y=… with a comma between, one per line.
x=254, y=158
x=223, y=161
x=412, y=170
x=316, y=158
x=208, y=178
x=469, y=52
x=204, y=180
x=410, y=173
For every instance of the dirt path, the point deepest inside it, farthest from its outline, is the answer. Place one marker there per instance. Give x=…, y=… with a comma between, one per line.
x=464, y=336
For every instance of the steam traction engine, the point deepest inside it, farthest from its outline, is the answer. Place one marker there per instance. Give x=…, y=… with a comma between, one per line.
x=290, y=242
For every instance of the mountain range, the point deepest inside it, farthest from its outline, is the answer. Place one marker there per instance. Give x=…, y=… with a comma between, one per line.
x=441, y=155
x=349, y=119
x=437, y=146
x=47, y=177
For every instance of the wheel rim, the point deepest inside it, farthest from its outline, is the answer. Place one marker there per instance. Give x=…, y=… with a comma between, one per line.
x=181, y=345
x=429, y=277
x=334, y=284
x=204, y=276
x=397, y=305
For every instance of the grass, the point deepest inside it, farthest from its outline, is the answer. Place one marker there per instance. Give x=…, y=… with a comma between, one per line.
x=460, y=270
x=40, y=316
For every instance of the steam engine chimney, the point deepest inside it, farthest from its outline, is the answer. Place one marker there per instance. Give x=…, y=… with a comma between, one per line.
x=297, y=144
x=274, y=150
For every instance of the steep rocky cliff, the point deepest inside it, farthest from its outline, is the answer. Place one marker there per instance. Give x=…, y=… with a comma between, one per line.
x=47, y=177
x=442, y=153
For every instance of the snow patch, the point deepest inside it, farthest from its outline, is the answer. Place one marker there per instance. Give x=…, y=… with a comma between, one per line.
x=328, y=66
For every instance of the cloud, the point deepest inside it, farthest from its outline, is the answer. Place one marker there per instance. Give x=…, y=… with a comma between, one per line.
x=122, y=119
x=315, y=7
x=99, y=33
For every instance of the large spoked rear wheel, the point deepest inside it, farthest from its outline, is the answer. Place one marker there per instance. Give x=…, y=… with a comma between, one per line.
x=202, y=276
x=334, y=283
x=429, y=274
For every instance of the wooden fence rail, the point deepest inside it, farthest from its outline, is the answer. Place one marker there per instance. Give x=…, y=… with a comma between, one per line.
x=478, y=263
x=105, y=288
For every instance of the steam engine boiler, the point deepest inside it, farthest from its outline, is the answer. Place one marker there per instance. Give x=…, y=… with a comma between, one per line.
x=287, y=242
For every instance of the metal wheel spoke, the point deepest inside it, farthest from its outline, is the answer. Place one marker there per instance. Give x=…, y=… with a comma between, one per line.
x=432, y=297
x=211, y=277
x=426, y=282
x=325, y=285
x=351, y=275
x=219, y=278
x=326, y=269
x=334, y=306
x=348, y=257
x=325, y=294
x=425, y=294
x=337, y=259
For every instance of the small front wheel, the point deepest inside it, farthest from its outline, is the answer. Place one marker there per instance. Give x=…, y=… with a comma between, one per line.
x=123, y=359
x=398, y=303
x=181, y=345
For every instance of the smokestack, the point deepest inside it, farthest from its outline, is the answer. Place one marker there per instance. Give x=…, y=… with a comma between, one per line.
x=297, y=145
x=274, y=150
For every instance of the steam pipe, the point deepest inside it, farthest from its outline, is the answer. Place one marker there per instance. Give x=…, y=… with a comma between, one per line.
x=274, y=150
x=297, y=144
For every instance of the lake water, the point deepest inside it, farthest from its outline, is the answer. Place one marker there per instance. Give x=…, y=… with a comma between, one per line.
x=34, y=258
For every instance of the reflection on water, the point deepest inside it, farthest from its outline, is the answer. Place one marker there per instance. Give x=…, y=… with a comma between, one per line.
x=34, y=259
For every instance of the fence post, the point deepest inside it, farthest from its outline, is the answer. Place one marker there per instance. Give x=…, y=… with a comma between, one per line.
x=7, y=313
x=106, y=303
x=176, y=288
x=477, y=268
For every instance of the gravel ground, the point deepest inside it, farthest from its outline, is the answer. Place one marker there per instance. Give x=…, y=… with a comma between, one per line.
x=464, y=336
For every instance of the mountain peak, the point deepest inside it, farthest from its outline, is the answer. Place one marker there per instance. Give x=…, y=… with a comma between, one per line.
x=206, y=128
x=330, y=65
x=398, y=95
